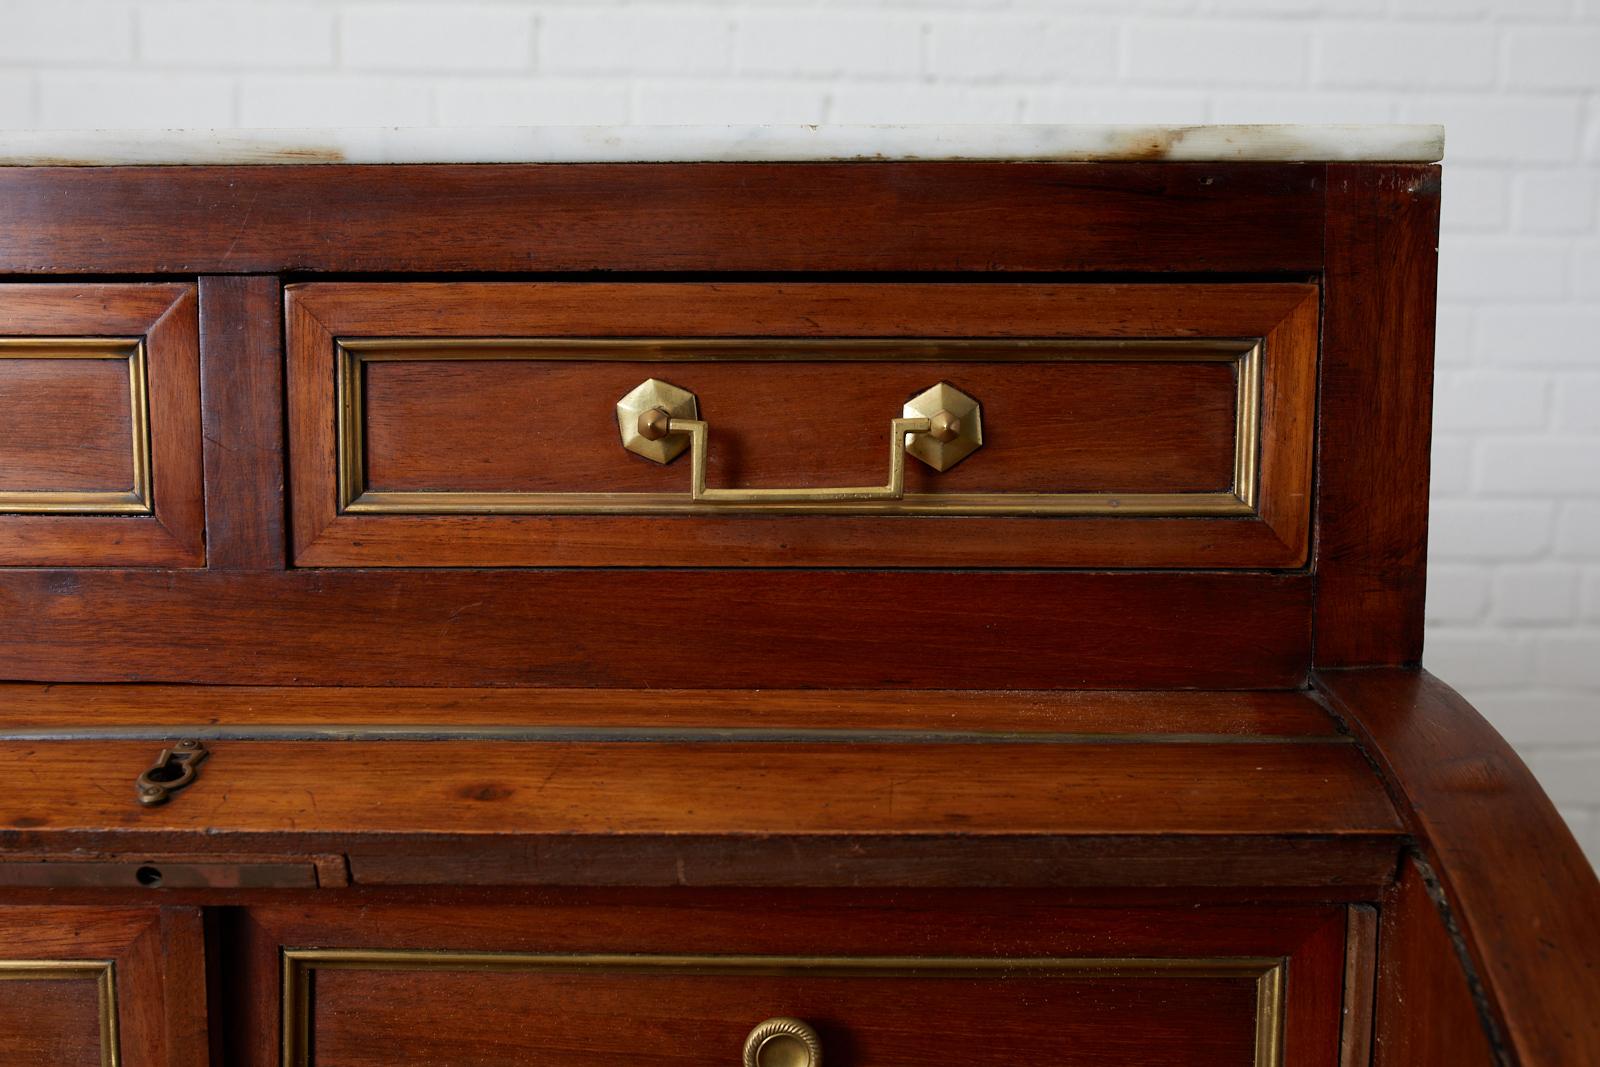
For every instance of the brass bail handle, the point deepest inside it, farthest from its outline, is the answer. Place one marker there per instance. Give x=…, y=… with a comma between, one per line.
x=783, y=1042
x=940, y=426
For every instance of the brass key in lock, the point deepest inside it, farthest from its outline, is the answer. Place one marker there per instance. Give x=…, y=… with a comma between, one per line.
x=174, y=769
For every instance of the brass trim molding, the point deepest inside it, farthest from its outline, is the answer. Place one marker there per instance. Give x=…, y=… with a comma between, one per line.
x=299, y=964
x=352, y=355
x=162, y=732
x=102, y=972
x=136, y=500
x=1269, y=1024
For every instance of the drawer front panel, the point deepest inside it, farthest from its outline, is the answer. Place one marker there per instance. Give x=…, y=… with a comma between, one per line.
x=590, y=977
x=1095, y=425
x=482, y=1010
x=86, y=986
x=524, y=428
x=100, y=461
x=57, y=1012
x=77, y=433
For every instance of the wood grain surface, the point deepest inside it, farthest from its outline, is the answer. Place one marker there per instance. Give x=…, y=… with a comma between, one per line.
x=1426, y=1014
x=1376, y=413
x=465, y=427
x=1522, y=896
x=880, y=1016
x=67, y=424
x=54, y=1021
x=905, y=736
x=725, y=629
x=734, y=788
x=165, y=316
x=527, y=426
x=158, y=976
x=1153, y=715
x=579, y=1018
x=719, y=813
x=241, y=375
x=663, y=217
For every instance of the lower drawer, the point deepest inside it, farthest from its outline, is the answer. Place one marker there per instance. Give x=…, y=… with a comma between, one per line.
x=740, y=978
x=481, y=1009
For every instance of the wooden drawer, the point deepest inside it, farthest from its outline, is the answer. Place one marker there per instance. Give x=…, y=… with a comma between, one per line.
x=101, y=987
x=889, y=983
x=100, y=458
x=1099, y=425
x=694, y=1010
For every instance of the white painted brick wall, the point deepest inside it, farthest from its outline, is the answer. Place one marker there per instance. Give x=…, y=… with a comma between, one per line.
x=413, y=39
x=279, y=36
x=68, y=35
x=1514, y=597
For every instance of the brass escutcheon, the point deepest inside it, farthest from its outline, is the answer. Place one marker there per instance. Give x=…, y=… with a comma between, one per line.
x=174, y=768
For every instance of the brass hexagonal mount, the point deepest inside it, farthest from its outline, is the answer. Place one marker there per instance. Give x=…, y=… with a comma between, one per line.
x=652, y=394
x=941, y=455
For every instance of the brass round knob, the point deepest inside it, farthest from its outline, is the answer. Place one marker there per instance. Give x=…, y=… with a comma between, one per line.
x=783, y=1042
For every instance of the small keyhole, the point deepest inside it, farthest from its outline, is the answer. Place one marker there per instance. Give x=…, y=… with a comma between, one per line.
x=148, y=876
x=171, y=772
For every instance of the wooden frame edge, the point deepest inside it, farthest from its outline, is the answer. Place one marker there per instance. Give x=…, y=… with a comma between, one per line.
x=1275, y=537
x=1375, y=401
x=165, y=317
x=1525, y=908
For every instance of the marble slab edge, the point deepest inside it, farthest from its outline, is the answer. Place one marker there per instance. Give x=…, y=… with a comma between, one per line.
x=726, y=144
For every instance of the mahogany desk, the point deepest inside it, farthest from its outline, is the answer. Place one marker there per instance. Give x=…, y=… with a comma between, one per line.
x=703, y=610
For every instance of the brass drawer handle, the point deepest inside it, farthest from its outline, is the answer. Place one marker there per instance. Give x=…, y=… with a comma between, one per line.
x=783, y=1042
x=658, y=421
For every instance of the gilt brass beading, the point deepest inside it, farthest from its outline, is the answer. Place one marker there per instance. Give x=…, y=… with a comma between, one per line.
x=133, y=499
x=299, y=965
x=355, y=497
x=103, y=973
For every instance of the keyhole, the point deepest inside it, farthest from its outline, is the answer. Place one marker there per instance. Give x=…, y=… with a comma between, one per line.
x=148, y=876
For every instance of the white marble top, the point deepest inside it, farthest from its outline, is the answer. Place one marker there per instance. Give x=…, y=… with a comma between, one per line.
x=734, y=144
